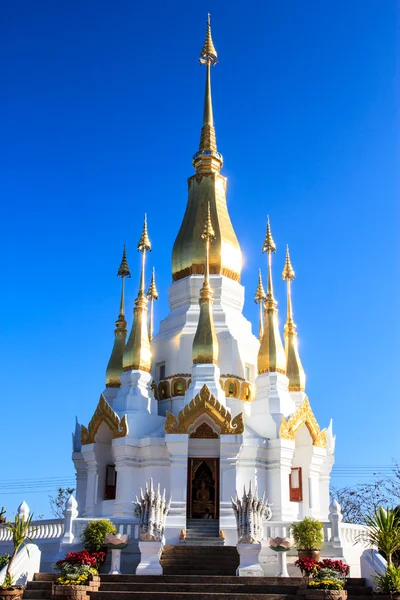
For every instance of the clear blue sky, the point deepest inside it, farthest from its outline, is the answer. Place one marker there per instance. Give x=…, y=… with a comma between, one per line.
x=101, y=114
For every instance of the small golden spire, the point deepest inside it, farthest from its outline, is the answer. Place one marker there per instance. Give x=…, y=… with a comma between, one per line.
x=114, y=367
x=205, y=343
x=259, y=298
x=271, y=356
x=208, y=158
x=137, y=355
x=294, y=368
x=152, y=295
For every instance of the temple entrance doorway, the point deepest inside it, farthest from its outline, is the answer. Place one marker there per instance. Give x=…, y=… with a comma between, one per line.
x=203, y=488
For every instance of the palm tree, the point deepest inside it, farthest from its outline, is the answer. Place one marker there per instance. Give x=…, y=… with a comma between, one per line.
x=20, y=530
x=383, y=532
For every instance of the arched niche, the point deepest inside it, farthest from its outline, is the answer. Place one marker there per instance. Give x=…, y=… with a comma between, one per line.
x=178, y=386
x=164, y=390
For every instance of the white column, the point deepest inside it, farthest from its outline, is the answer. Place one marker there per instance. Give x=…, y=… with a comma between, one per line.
x=335, y=518
x=125, y=460
x=229, y=452
x=92, y=479
x=81, y=480
x=176, y=520
x=278, y=468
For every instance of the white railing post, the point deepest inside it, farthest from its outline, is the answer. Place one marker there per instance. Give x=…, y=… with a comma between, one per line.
x=70, y=514
x=335, y=518
x=23, y=510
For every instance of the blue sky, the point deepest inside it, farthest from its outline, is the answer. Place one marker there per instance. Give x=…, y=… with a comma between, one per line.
x=102, y=108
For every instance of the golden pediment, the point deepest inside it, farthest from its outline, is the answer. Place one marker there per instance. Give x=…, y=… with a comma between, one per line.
x=303, y=416
x=204, y=403
x=104, y=414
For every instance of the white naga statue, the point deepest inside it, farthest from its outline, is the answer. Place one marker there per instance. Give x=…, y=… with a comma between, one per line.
x=250, y=512
x=152, y=510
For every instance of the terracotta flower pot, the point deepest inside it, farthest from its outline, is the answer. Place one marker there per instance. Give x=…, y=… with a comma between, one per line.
x=315, y=554
x=10, y=593
x=326, y=595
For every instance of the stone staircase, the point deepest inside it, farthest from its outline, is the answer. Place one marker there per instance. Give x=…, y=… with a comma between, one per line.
x=192, y=587
x=202, y=532
x=199, y=560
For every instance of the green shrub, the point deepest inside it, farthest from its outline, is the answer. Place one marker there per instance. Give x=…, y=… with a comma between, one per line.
x=389, y=581
x=308, y=534
x=93, y=535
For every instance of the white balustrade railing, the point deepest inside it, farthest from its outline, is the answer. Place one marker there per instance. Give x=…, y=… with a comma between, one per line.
x=352, y=534
x=125, y=527
x=40, y=530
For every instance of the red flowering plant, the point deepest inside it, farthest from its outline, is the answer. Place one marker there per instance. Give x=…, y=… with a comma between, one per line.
x=77, y=567
x=307, y=566
x=90, y=559
x=339, y=566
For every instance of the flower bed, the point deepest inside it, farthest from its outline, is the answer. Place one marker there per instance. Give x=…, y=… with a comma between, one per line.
x=79, y=575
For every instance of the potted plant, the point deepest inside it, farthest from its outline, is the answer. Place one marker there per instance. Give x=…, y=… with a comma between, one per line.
x=387, y=584
x=20, y=531
x=79, y=575
x=308, y=537
x=94, y=534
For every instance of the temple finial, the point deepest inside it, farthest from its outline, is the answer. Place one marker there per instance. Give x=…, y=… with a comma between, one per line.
x=114, y=367
x=137, y=355
x=271, y=356
x=152, y=295
x=208, y=159
x=259, y=298
x=123, y=270
x=294, y=368
x=205, y=343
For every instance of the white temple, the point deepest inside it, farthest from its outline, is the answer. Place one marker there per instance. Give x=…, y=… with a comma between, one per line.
x=205, y=406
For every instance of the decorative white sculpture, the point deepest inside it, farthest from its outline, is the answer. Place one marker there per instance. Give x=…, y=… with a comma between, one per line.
x=152, y=510
x=250, y=512
x=281, y=546
x=116, y=543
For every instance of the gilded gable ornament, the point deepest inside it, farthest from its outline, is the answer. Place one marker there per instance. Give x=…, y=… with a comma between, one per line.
x=204, y=403
x=104, y=414
x=303, y=416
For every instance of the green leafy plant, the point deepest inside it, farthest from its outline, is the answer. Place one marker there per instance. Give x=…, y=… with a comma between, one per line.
x=4, y=560
x=383, y=532
x=93, y=535
x=308, y=534
x=21, y=530
x=389, y=581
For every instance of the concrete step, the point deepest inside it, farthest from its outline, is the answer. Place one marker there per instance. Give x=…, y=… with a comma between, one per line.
x=37, y=594
x=233, y=588
x=184, y=596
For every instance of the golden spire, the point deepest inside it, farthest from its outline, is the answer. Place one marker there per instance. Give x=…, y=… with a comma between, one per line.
x=137, y=355
x=152, y=295
x=271, y=356
x=259, y=298
x=208, y=158
x=205, y=343
x=114, y=367
x=294, y=368
x=207, y=185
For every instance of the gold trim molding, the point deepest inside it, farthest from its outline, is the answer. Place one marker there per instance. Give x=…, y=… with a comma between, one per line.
x=303, y=416
x=104, y=414
x=204, y=403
